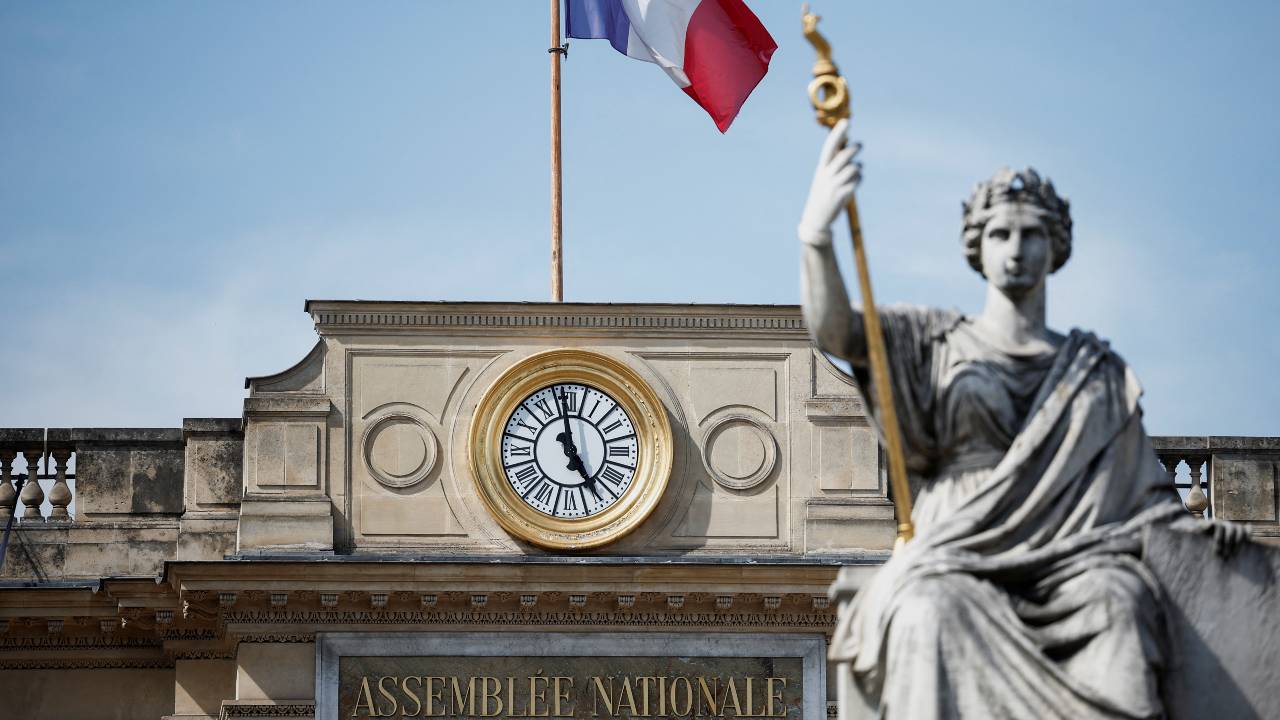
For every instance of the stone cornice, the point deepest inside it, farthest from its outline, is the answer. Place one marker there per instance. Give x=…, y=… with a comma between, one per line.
x=201, y=609
x=600, y=319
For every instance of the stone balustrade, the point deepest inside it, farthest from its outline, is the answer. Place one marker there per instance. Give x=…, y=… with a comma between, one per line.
x=86, y=502
x=47, y=456
x=1228, y=477
x=166, y=494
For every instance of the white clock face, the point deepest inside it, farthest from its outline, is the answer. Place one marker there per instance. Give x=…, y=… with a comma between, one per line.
x=569, y=450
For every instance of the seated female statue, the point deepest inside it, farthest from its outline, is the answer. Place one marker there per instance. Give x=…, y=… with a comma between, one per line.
x=1023, y=594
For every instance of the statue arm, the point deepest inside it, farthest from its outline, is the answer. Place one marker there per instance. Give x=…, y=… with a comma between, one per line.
x=835, y=326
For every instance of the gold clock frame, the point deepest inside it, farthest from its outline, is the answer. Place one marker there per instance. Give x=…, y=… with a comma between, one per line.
x=653, y=457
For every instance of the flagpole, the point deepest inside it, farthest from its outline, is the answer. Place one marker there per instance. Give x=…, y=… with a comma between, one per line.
x=557, y=221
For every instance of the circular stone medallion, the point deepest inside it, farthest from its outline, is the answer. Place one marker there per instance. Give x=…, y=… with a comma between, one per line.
x=399, y=450
x=739, y=452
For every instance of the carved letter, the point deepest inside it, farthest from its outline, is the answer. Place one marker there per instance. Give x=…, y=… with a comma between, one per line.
x=709, y=696
x=365, y=697
x=688, y=696
x=562, y=694
x=460, y=702
x=768, y=686
x=487, y=694
x=511, y=701
x=404, y=685
x=643, y=682
x=537, y=695
x=601, y=694
x=731, y=692
x=626, y=695
x=384, y=692
x=434, y=695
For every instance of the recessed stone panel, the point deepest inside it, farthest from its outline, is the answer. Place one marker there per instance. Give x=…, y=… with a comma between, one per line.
x=571, y=675
x=719, y=387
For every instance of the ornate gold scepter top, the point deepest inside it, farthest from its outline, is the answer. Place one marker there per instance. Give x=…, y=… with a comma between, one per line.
x=830, y=97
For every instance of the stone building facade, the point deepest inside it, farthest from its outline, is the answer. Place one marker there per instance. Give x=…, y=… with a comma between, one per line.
x=330, y=553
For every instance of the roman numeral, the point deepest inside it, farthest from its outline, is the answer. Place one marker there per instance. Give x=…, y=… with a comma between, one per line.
x=570, y=502
x=530, y=428
x=544, y=407
x=612, y=476
x=521, y=450
x=594, y=405
x=570, y=400
x=544, y=493
x=526, y=472
x=620, y=451
x=611, y=427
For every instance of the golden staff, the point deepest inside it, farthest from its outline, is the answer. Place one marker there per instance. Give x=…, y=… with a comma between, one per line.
x=830, y=97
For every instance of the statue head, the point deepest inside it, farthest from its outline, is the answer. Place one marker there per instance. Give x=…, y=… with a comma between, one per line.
x=1018, y=206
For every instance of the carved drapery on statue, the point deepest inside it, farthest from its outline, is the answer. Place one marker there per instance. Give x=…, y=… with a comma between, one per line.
x=1023, y=594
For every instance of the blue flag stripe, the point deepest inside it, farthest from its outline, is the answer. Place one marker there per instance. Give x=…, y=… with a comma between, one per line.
x=597, y=19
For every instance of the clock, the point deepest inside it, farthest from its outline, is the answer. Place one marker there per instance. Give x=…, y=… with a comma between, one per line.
x=570, y=449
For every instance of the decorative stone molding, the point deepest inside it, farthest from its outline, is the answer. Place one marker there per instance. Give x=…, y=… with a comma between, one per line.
x=83, y=642
x=246, y=712
x=822, y=621
x=87, y=663
x=278, y=637
x=205, y=654
x=333, y=317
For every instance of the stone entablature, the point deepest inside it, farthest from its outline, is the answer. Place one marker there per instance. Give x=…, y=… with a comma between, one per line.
x=240, y=637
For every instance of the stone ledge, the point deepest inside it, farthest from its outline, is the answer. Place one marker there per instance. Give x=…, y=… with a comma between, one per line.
x=346, y=316
x=212, y=426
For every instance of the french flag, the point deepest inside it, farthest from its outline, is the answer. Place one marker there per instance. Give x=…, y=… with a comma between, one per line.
x=715, y=50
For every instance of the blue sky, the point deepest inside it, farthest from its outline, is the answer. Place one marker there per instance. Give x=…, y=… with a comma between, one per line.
x=176, y=178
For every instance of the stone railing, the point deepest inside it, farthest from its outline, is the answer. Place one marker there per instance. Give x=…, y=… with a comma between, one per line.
x=23, y=492
x=175, y=493
x=94, y=502
x=1241, y=476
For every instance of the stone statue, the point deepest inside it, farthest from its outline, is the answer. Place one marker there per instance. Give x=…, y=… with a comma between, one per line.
x=1024, y=593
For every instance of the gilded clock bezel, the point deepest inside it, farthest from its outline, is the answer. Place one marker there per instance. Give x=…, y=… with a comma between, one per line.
x=653, y=448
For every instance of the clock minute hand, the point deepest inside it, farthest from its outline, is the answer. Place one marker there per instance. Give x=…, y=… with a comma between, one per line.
x=571, y=450
x=565, y=438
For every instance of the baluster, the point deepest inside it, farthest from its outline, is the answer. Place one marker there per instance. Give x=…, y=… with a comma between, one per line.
x=1170, y=463
x=60, y=493
x=8, y=495
x=1197, y=501
x=32, y=495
